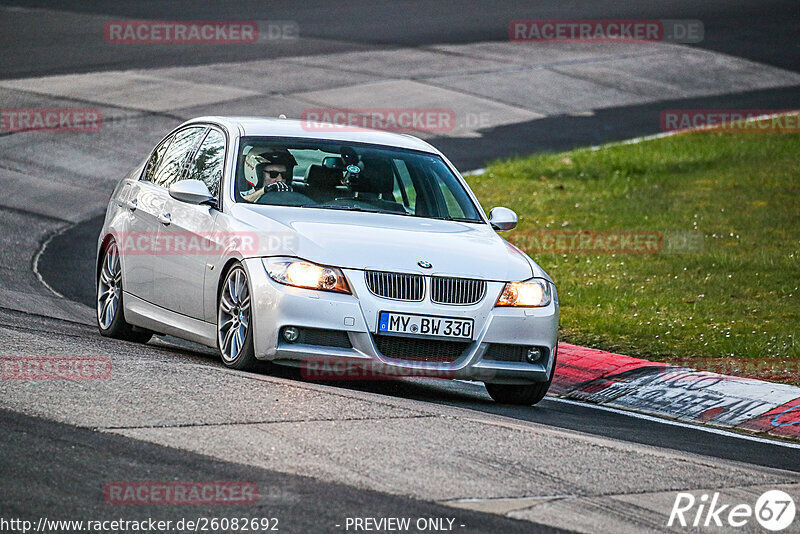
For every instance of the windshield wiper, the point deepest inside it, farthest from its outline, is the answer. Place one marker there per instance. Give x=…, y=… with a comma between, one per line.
x=456, y=219
x=345, y=208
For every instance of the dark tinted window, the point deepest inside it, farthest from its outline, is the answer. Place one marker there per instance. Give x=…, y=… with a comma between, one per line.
x=324, y=174
x=155, y=159
x=170, y=167
x=207, y=165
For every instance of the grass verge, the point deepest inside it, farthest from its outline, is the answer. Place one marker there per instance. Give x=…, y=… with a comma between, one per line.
x=723, y=284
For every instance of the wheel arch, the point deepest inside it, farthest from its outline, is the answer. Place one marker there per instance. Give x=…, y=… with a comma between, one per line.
x=223, y=273
x=101, y=254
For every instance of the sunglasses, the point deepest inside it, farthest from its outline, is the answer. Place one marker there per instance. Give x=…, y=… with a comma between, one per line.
x=275, y=174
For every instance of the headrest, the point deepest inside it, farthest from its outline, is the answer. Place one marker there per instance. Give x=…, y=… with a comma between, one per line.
x=375, y=177
x=319, y=177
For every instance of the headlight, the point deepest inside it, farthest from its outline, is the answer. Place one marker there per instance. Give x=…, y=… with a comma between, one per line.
x=301, y=273
x=531, y=293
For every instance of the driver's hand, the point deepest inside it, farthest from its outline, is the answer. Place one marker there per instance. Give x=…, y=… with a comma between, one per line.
x=255, y=195
x=278, y=186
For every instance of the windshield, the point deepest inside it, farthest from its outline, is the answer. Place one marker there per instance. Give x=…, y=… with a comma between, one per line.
x=356, y=177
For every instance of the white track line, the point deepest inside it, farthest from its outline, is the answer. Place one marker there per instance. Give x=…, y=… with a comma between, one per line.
x=710, y=430
x=39, y=255
x=663, y=420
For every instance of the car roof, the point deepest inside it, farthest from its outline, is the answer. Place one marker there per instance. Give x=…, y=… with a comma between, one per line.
x=272, y=127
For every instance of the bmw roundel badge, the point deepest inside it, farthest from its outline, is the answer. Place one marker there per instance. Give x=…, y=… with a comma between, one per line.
x=424, y=264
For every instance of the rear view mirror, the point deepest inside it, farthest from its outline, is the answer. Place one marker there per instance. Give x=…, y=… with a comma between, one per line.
x=333, y=162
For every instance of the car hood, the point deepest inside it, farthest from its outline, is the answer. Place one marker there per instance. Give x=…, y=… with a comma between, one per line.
x=378, y=241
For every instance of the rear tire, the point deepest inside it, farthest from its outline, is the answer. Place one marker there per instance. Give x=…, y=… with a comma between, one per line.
x=527, y=395
x=110, y=315
x=234, y=321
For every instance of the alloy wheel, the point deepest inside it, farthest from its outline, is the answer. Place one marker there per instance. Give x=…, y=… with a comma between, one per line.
x=109, y=287
x=234, y=314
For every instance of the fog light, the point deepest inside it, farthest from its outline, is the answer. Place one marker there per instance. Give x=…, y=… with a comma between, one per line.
x=534, y=353
x=291, y=334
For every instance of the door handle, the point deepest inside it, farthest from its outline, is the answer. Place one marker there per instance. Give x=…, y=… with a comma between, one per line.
x=165, y=219
x=132, y=204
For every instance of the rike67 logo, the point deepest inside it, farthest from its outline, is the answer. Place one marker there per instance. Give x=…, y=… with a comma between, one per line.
x=774, y=510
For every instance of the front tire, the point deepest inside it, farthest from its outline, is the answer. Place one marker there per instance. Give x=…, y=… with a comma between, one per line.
x=234, y=319
x=110, y=316
x=527, y=395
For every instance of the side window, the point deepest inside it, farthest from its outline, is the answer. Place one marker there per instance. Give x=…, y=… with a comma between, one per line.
x=453, y=207
x=155, y=159
x=451, y=196
x=408, y=194
x=207, y=165
x=170, y=167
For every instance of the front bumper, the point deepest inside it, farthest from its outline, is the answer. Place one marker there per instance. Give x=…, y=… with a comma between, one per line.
x=276, y=306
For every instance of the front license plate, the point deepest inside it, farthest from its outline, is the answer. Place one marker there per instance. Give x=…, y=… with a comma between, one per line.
x=425, y=325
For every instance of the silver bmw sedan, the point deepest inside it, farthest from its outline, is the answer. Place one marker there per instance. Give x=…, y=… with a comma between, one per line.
x=349, y=253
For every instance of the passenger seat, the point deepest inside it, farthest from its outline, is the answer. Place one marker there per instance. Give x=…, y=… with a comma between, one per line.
x=321, y=183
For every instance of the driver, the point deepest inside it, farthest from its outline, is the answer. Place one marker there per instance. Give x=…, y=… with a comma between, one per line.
x=268, y=171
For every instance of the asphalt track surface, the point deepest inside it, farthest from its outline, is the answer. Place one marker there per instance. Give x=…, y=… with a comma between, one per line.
x=57, y=469
x=759, y=31
x=764, y=31
x=33, y=446
x=72, y=254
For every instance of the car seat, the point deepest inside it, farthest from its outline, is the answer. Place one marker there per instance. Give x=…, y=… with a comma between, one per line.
x=321, y=183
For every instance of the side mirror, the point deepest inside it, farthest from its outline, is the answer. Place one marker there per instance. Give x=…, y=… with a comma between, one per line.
x=191, y=191
x=502, y=219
